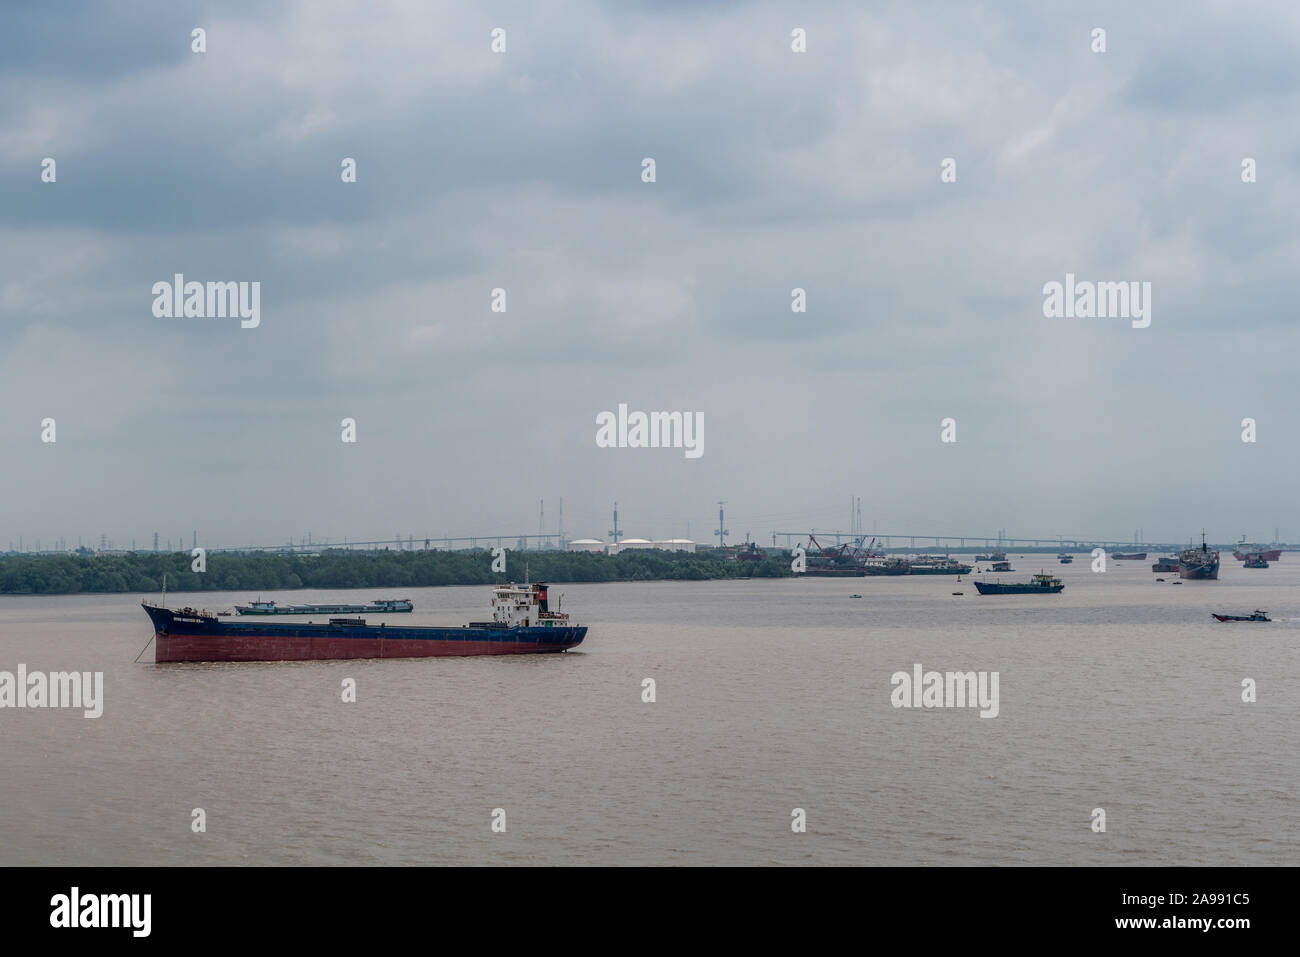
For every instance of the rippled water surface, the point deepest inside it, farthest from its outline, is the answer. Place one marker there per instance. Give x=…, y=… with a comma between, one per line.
x=1122, y=693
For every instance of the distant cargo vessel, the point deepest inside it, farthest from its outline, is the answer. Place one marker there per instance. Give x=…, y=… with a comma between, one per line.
x=886, y=566
x=1243, y=552
x=995, y=556
x=1129, y=557
x=1202, y=562
x=379, y=606
x=1042, y=584
x=522, y=623
x=928, y=565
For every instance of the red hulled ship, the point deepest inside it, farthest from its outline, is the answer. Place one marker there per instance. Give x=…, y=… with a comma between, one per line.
x=522, y=623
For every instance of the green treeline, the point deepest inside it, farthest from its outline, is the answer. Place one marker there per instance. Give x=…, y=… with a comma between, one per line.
x=257, y=571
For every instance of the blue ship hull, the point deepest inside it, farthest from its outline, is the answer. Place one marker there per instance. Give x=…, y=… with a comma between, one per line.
x=1016, y=588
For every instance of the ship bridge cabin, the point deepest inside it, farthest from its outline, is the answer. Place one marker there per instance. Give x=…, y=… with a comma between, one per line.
x=524, y=606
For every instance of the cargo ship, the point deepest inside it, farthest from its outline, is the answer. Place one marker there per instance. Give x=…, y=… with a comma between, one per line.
x=1243, y=552
x=522, y=623
x=995, y=556
x=1202, y=562
x=380, y=606
x=929, y=565
x=1042, y=584
x=749, y=552
x=1129, y=556
x=886, y=566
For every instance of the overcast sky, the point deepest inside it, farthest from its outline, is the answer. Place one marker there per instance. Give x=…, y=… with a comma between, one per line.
x=523, y=170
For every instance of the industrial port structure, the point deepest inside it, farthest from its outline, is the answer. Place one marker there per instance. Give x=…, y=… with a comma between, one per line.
x=885, y=542
x=543, y=540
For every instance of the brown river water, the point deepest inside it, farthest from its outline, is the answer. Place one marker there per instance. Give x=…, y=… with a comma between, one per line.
x=1121, y=694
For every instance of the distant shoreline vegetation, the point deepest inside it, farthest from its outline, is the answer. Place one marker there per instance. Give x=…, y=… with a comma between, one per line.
x=142, y=572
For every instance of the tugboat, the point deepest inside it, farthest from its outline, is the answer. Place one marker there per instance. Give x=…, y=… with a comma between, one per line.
x=1258, y=616
x=1002, y=566
x=1200, y=562
x=522, y=623
x=995, y=556
x=1065, y=558
x=1042, y=584
x=1255, y=561
x=1169, y=563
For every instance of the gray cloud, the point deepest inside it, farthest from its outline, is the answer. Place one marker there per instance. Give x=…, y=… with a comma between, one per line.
x=775, y=170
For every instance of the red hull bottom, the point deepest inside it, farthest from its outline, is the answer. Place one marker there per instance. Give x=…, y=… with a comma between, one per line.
x=176, y=648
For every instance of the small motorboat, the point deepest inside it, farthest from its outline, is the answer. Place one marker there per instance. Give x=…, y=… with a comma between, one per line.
x=855, y=596
x=1258, y=616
